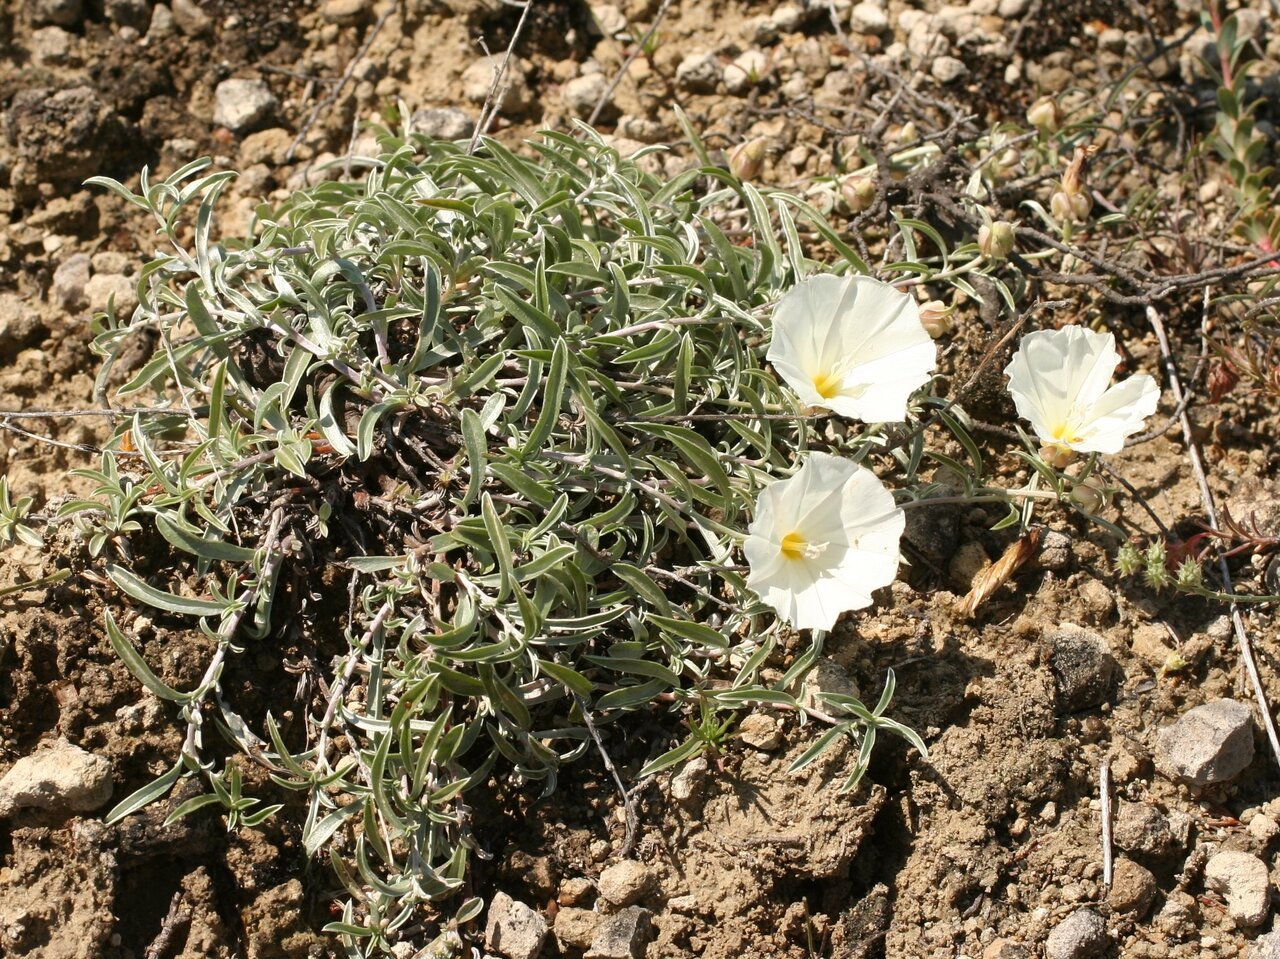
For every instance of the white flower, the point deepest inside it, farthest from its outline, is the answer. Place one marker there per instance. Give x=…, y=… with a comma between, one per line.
x=1060, y=381
x=822, y=541
x=853, y=345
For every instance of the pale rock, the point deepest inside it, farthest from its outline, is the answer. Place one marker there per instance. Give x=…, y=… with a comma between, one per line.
x=581, y=94
x=513, y=929
x=1011, y=9
x=575, y=891
x=1081, y=935
x=1265, y=947
x=478, y=79
x=622, y=936
x=624, y=883
x=443, y=123
x=239, y=104
x=19, y=322
x=759, y=29
x=611, y=20
x=162, y=25
x=699, y=72
x=867, y=17
x=576, y=928
x=947, y=69
x=1243, y=881
x=266, y=146
x=111, y=261
x=190, y=18
x=827, y=676
x=687, y=784
x=51, y=45
x=745, y=71
x=345, y=13
x=69, y=281
x=760, y=731
x=787, y=17
x=60, y=777
x=1212, y=743
x=1263, y=828
x=966, y=563
x=104, y=288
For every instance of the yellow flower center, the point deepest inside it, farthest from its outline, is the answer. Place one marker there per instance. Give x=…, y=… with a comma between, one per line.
x=794, y=545
x=827, y=385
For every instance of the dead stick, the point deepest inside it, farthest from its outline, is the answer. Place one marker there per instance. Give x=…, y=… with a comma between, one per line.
x=498, y=92
x=1104, y=798
x=626, y=65
x=1206, y=498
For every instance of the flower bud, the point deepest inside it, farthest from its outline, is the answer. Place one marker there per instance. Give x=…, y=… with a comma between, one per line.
x=996, y=239
x=747, y=158
x=1090, y=495
x=1070, y=208
x=936, y=318
x=859, y=192
x=1045, y=115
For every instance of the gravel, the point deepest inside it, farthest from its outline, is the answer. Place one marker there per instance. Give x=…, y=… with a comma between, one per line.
x=624, y=883
x=1212, y=743
x=443, y=123
x=60, y=777
x=242, y=104
x=1242, y=879
x=622, y=936
x=514, y=930
x=1081, y=935
x=1133, y=888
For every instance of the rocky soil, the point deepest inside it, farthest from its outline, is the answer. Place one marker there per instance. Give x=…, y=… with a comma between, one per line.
x=991, y=847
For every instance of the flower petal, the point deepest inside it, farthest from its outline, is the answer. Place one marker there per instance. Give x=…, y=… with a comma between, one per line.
x=855, y=331
x=1119, y=413
x=1056, y=374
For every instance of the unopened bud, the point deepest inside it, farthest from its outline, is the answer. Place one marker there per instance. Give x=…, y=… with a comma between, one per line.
x=996, y=239
x=908, y=134
x=1090, y=495
x=1070, y=208
x=1045, y=115
x=936, y=318
x=747, y=159
x=859, y=192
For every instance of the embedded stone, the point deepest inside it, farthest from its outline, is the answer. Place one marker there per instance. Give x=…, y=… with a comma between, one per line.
x=1212, y=743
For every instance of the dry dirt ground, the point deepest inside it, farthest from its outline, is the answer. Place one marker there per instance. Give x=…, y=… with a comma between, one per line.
x=982, y=849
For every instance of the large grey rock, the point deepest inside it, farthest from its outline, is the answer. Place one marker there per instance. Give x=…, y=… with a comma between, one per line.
x=242, y=104
x=1243, y=881
x=1081, y=935
x=1212, y=743
x=621, y=936
x=69, y=281
x=60, y=777
x=1083, y=667
x=514, y=930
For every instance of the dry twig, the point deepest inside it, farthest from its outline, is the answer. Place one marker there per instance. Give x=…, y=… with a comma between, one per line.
x=1211, y=514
